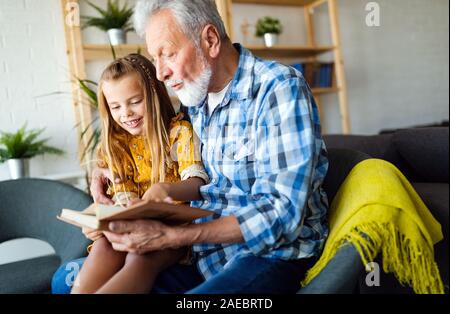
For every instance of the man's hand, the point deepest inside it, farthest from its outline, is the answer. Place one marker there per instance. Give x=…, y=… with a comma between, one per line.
x=141, y=236
x=91, y=234
x=100, y=178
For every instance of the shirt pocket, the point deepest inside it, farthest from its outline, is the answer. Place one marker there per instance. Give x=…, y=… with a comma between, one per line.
x=238, y=164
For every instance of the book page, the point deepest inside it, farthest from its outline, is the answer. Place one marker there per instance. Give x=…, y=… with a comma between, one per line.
x=160, y=211
x=91, y=210
x=108, y=210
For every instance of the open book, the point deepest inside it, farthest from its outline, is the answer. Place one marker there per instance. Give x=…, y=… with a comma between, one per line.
x=97, y=216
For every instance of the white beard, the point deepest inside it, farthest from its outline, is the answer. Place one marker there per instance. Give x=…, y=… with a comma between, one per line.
x=194, y=92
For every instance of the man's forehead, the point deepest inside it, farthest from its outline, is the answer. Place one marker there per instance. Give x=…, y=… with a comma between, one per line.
x=162, y=30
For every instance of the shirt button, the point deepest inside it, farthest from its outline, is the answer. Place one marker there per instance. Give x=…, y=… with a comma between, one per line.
x=205, y=202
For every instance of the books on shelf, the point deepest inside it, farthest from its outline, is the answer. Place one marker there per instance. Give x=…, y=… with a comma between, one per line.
x=317, y=74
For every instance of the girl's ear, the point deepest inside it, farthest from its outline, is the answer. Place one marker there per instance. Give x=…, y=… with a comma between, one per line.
x=210, y=39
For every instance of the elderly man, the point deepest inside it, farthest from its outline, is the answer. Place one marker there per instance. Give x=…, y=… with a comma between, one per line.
x=261, y=146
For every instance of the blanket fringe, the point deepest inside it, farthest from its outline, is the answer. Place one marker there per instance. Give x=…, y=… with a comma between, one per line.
x=411, y=262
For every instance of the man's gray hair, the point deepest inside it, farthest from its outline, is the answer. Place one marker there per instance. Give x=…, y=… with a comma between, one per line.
x=192, y=15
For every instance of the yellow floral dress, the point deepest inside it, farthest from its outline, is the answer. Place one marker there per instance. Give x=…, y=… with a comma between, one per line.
x=186, y=162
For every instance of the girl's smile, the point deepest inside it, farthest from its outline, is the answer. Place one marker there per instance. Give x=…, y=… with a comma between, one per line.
x=133, y=123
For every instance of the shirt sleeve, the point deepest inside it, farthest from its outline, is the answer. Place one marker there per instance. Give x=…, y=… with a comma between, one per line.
x=185, y=151
x=284, y=163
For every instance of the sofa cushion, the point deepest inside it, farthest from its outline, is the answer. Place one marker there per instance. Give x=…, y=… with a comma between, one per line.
x=436, y=197
x=426, y=151
x=29, y=276
x=377, y=146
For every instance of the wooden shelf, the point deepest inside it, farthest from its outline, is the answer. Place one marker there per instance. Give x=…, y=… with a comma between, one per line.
x=99, y=52
x=297, y=3
x=103, y=52
x=324, y=90
x=288, y=51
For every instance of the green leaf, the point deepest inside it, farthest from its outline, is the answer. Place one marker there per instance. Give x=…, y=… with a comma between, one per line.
x=25, y=144
x=113, y=51
x=4, y=155
x=92, y=143
x=97, y=8
x=92, y=95
x=268, y=24
x=113, y=17
x=89, y=126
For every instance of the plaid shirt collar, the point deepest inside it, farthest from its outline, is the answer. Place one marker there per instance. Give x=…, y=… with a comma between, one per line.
x=242, y=86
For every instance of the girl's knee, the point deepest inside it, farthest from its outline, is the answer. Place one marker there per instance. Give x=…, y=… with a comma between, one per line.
x=137, y=258
x=142, y=261
x=156, y=260
x=101, y=246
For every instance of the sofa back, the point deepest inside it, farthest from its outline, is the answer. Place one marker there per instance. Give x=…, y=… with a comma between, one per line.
x=420, y=154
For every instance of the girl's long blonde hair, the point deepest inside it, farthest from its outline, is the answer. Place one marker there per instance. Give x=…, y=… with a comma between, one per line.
x=159, y=113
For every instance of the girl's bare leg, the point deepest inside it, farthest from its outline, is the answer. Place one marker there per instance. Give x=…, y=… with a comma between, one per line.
x=100, y=265
x=140, y=271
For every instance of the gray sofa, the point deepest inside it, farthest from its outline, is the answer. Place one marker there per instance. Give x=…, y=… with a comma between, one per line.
x=28, y=209
x=422, y=154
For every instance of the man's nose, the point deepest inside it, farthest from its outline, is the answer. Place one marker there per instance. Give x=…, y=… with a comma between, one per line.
x=162, y=71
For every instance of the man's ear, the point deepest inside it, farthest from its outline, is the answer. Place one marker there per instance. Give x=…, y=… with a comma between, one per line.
x=211, y=40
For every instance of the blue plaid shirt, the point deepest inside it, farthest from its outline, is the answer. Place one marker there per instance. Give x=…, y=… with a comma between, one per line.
x=263, y=151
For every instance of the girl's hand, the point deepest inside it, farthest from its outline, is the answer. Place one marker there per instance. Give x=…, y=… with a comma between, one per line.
x=158, y=192
x=92, y=234
x=99, y=181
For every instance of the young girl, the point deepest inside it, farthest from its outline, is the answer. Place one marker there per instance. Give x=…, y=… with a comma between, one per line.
x=151, y=150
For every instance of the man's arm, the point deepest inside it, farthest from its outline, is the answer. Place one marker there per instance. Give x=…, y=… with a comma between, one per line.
x=142, y=236
x=207, y=232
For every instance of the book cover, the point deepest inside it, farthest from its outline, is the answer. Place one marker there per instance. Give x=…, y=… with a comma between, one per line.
x=97, y=216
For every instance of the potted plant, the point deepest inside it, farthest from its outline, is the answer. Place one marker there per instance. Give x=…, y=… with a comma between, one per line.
x=114, y=20
x=269, y=28
x=92, y=130
x=17, y=149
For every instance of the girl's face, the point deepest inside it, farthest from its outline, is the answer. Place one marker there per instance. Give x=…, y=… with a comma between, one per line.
x=126, y=103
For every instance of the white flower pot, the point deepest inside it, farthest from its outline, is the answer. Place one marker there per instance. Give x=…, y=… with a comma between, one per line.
x=117, y=36
x=270, y=39
x=19, y=168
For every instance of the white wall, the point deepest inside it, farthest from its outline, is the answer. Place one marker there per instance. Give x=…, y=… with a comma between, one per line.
x=33, y=63
x=397, y=74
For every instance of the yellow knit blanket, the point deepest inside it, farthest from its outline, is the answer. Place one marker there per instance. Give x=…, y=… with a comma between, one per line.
x=377, y=210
